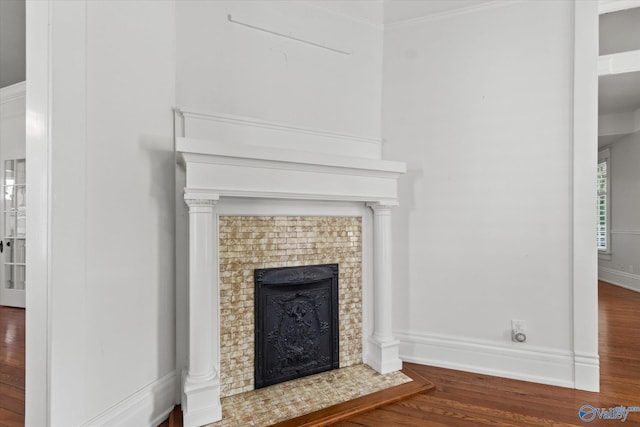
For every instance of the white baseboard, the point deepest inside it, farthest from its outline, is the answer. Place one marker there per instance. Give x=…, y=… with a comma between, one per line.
x=522, y=362
x=620, y=278
x=147, y=407
x=587, y=372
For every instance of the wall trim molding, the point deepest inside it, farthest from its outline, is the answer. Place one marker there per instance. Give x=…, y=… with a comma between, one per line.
x=623, y=279
x=231, y=129
x=261, y=123
x=13, y=92
x=629, y=232
x=526, y=363
x=452, y=13
x=583, y=149
x=148, y=406
x=364, y=21
x=586, y=370
x=608, y=6
x=619, y=63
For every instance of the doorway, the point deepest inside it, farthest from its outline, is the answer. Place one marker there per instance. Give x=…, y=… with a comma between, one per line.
x=13, y=205
x=619, y=146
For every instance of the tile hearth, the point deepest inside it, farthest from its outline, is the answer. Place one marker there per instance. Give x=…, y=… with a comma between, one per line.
x=270, y=405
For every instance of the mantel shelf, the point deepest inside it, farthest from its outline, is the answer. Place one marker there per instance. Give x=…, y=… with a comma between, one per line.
x=242, y=170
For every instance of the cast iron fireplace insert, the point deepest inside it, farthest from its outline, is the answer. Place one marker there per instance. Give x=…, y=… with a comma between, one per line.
x=296, y=322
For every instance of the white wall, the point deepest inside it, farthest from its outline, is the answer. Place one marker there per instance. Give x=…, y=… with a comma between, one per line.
x=228, y=68
x=102, y=84
x=479, y=104
x=12, y=121
x=622, y=267
x=107, y=268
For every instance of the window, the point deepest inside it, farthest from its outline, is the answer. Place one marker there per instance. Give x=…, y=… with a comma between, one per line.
x=603, y=202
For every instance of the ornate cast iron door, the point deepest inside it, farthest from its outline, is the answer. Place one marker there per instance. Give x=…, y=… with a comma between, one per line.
x=296, y=311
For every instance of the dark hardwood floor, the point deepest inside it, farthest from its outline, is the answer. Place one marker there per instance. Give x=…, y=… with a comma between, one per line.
x=12, y=340
x=460, y=398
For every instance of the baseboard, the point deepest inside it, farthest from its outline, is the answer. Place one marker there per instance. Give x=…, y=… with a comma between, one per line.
x=147, y=407
x=526, y=363
x=587, y=372
x=620, y=278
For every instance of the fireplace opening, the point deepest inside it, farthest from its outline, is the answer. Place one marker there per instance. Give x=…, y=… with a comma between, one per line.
x=296, y=322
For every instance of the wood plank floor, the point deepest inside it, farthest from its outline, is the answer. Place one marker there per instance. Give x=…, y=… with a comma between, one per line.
x=466, y=399
x=12, y=340
x=460, y=398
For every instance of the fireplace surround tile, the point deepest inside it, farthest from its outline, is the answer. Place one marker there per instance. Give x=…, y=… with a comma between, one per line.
x=250, y=242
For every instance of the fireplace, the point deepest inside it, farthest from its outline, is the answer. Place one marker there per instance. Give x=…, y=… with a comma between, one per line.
x=291, y=172
x=296, y=331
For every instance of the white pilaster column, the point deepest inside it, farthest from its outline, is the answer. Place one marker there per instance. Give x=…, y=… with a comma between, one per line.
x=383, y=349
x=201, y=381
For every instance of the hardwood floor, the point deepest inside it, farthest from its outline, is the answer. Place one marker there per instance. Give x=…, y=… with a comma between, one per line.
x=12, y=340
x=460, y=398
x=465, y=399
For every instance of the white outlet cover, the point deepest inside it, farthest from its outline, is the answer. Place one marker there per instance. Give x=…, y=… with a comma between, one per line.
x=518, y=325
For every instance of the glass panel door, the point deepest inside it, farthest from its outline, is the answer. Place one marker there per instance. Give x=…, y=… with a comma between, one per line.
x=13, y=244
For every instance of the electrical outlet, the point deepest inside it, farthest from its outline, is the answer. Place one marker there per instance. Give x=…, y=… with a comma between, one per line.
x=518, y=331
x=518, y=325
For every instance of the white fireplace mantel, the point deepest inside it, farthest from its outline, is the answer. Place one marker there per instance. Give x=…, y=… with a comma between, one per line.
x=214, y=171
x=242, y=170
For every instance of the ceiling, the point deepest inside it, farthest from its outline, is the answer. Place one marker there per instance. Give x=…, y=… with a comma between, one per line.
x=620, y=31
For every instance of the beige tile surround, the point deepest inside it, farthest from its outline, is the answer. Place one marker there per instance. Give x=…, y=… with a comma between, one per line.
x=250, y=242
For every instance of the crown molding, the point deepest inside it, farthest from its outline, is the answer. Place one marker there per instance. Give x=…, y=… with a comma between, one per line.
x=13, y=92
x=369, y=23
x=608, y=6
x=452, y=13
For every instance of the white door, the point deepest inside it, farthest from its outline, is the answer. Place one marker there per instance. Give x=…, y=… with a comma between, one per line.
x=14, y=239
